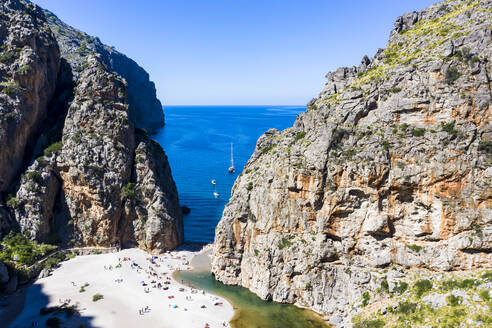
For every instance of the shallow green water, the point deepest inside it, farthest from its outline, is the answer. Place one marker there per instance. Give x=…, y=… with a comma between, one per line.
x=251, y=311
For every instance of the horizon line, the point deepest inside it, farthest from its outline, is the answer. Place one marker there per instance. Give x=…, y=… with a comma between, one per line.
x=234, y=105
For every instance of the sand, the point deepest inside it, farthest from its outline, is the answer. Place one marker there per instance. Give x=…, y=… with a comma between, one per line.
x=124, y=294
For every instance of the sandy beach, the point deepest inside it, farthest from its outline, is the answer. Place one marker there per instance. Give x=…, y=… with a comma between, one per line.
x=138, y=291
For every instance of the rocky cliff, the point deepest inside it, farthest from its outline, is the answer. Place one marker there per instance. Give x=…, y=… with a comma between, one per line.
x=75, y=168
x=75, y=46
x=389, y=167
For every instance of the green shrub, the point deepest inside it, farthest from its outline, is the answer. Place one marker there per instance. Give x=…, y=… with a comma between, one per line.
x=365, y=298
x=384, y=285
x=349, y=154
x=452, y=284
x=395, y=90
x=422, y=286
x=10, y=87
x=377, y=323
x=453, y=300
x=54, y=260
x=257, y=252
x=487, y=275
x=33, y=176
x=82, y=49
x=12, y=201
x=77, y=137
x=50, y=263
x=449, y=128
x=53, y=148
x=267, y=149
x=401, y=287
x=284, y=243
x=415, y=248
x=128, y=191
x=386, y=145
x=6, y=56
x=23, y=70
x=299, y=136
x=474, y=59
x=404, y=126
x=477, y=228
x=484, y=295
x=406, y=307
x=82, y=288
x=313, y=107
x=97, y=297
x=27, y=250
x=250, y=186
x=418, y=132
x=485, y=146
x=452, y=74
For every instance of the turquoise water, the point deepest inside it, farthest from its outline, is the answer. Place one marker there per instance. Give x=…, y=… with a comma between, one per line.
x=197, y=141
x=250, y=310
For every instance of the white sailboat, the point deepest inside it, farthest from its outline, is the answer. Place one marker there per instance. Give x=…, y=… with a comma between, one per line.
x=216, y=194
x=232, y=169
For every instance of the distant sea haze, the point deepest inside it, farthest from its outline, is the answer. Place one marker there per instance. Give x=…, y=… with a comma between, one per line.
x=197, y=142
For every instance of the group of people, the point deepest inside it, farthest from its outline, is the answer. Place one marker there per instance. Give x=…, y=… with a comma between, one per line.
x=144, y=310
x=159, y=280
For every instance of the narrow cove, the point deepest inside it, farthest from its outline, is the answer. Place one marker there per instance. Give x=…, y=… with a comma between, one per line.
x=250, y=310
x=197, y=141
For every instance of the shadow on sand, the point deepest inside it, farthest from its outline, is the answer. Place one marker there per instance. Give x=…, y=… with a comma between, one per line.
x=23, y=309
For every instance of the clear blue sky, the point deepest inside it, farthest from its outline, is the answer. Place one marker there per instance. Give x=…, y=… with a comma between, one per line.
x=218, y=52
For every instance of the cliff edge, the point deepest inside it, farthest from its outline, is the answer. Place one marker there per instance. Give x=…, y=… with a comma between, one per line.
x=385, y=178
x=77, y=167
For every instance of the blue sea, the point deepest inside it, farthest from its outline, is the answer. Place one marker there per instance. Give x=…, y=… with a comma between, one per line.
x=197, y=142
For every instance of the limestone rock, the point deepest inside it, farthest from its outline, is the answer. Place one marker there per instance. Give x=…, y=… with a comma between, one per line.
x=29, y=64
x=68, y=145
x=96, y=157
x=389, y=165
x=152, y=212
x=145, y=110
x=44, y=273
x=35, y=201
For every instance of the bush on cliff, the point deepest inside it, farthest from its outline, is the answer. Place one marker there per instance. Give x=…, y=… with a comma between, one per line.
x=19, y=251
x=53, y=148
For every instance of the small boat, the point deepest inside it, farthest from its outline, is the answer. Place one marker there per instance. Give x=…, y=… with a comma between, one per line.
x=232, y=169
x=216, y=194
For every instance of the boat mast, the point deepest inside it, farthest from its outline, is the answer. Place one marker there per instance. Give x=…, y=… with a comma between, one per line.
x=232, y=156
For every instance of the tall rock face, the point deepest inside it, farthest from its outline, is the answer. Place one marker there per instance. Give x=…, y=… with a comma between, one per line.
x=389, y=166
x=145, y=109
x=151, y=202
x=75, y=170
x=96, y=158
x=29, y=64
